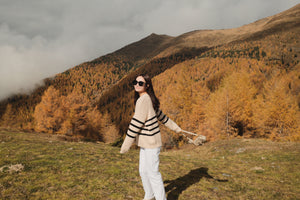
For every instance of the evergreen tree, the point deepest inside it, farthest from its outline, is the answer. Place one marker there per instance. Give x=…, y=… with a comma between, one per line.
x=47, y=114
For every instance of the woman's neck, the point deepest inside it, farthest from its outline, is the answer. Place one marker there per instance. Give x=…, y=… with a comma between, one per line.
x=142, y=93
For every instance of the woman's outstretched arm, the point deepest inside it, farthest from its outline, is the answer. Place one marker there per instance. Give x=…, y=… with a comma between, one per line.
x=164, y=119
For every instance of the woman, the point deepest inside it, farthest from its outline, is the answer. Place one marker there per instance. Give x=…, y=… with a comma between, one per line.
x=145, y=130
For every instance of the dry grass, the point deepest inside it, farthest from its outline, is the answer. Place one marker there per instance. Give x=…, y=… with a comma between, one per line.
x=230, y=169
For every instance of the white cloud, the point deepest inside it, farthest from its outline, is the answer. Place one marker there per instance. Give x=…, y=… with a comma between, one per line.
x=39, y=38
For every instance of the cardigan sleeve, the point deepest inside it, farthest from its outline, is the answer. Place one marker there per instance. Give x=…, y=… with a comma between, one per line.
x=136, y=124
x=164, y=119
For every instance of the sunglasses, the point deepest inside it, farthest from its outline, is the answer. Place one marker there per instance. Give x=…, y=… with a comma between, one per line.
x=141, y=83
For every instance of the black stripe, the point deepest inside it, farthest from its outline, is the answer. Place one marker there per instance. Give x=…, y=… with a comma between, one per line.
x=151, y=124
x=158, y=116
x=154, y=128
x=166, y=120
x=163, y=118
x=138, y=121
x=133, y=131
x=150, y=119
x=148, y=134
x=138, y=127
x=130, y=135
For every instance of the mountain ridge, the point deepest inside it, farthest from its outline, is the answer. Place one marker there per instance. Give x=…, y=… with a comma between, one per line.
x=106, y=80
x=290, y=18
x=206, y=38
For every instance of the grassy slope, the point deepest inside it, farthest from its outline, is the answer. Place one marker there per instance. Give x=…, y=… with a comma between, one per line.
x=232, y=169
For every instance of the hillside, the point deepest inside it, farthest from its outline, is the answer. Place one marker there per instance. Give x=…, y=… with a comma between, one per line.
x=281, y=22
x=94, y=99
x=263, y=56
x=40, y=166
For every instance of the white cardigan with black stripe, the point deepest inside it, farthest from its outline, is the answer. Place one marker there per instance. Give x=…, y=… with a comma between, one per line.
x=144, y=126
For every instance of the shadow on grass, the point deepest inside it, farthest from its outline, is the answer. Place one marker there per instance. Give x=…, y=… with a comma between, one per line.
x=177, y=186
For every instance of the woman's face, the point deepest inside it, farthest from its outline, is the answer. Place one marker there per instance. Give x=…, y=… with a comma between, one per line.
x=138, y=88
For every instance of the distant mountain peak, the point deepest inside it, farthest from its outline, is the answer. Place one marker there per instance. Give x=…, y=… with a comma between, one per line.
x=145, y=48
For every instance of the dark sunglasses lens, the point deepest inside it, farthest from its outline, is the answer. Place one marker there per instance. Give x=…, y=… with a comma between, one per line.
x=141, y=83
x=134, y=82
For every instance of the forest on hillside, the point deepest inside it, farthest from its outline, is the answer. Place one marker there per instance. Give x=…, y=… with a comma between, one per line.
x=245, y=88
x=248, y=89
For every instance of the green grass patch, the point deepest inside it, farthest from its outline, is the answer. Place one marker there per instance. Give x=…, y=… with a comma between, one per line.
x=50, y=168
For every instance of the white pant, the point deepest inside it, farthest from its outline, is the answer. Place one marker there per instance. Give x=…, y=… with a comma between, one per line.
x=151, y=177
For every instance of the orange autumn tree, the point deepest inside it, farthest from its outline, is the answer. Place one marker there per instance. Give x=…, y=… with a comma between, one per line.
x=48, y=116
x=110, y=132
x=229, y=111
x=72, y=115
x=7, y=118
x=181, y=98
x=75, y=107
x=188, y=99
x=95, y=124
x=80, y=117
x=279, y=114
x=197, y=116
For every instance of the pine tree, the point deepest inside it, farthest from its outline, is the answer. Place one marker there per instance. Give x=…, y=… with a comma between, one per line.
x=95, y=124
x=7, y=118
x=281, y=119
x=230, y=109
x=75, y=108
x=47, y=114
x=110, y=132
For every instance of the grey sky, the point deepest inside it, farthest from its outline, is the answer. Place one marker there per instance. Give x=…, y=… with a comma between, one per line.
x=39, y=38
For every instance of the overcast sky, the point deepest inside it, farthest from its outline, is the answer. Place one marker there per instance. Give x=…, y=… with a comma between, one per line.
x=40, y=38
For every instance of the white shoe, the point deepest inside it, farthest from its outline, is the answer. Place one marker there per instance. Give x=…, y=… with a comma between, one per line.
x=150, y=199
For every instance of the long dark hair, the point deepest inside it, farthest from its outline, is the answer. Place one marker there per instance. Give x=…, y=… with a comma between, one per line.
x=150, y=92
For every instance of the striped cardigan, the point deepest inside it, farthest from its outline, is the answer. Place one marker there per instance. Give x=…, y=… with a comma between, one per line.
x=144, y=128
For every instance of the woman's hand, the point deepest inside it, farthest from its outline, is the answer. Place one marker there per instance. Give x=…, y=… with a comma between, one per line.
x=125, y=147
x=178, y=130
x=126, y=144
x=122, y=151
